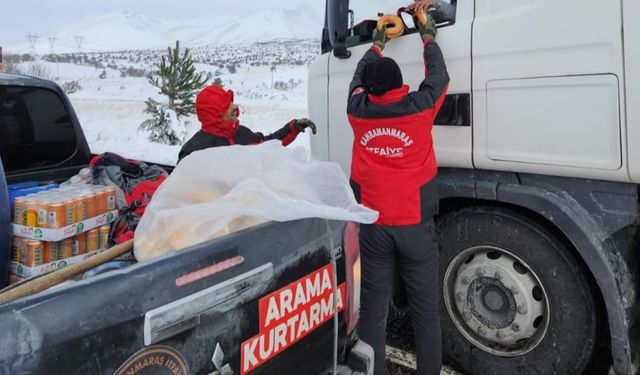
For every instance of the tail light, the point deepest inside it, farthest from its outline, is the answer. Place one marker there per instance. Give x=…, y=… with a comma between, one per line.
x=351, y=243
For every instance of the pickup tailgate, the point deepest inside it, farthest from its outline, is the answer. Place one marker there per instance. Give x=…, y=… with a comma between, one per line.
x=260, y=300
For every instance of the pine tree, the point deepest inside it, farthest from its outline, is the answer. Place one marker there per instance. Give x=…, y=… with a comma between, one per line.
x=159, y=126
x=176, y=78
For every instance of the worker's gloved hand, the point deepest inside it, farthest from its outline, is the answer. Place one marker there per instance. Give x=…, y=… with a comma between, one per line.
x=419, y=6
x=427, y=31
x=303, y=123
x=379, y=37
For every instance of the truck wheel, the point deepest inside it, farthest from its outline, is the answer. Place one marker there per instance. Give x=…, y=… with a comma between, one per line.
x=516, y=300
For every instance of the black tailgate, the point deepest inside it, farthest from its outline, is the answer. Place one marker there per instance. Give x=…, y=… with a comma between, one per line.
x=181, y=307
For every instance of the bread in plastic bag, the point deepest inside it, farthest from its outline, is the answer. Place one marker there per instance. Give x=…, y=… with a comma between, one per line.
x=221, y=190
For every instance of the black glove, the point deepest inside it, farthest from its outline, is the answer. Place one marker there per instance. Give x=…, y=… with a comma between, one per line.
x=428, y=31
x=379, y=37
x=303, y=123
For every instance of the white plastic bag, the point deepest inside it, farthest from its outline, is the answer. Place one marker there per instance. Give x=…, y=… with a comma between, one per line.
x=221, y=190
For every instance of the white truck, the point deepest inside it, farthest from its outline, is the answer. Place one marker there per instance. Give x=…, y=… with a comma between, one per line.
x=538, y=147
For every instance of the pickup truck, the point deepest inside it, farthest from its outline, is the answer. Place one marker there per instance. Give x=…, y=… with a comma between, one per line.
x=259, y=301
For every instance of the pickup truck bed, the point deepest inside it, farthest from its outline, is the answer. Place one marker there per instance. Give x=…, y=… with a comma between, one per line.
x=259, y=301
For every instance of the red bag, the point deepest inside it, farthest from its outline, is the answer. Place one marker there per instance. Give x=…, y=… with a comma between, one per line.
x=136, y=183
x=141, y=194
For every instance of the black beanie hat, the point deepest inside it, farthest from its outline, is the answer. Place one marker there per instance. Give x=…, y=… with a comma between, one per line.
x=382, y=75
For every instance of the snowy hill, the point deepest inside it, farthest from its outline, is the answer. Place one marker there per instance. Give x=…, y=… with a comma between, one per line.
x=266, y=25
x=125, y=30
x=116, y=31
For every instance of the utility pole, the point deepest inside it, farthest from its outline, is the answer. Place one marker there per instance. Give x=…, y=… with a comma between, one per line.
x=52, y=51
x=33, y=39
x=79, y=40
x=52, y=43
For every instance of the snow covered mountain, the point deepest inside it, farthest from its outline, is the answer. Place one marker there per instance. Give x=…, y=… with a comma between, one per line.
x=125, y=30
x=266, y=25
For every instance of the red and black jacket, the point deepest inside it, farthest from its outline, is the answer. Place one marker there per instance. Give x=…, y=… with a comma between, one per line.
x=393, y=157
x=244, y=136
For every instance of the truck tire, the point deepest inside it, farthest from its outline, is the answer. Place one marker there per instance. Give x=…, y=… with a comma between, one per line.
x=515, y=298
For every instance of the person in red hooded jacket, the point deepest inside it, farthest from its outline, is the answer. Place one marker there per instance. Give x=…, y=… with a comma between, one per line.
x=220, y=126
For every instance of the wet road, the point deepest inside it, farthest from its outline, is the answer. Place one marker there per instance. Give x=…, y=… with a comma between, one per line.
x=400, y=354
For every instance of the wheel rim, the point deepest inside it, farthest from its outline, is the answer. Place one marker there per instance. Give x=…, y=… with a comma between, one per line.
x=496, y=301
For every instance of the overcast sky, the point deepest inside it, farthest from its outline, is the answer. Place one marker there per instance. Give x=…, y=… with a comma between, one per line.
x=44, y=17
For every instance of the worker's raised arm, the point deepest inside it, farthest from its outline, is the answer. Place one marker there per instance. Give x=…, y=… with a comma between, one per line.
x=433, y=88
x=375, y=52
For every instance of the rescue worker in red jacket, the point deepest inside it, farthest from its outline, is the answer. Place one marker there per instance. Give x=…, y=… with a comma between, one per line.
x=220, y=125
x=392, y=171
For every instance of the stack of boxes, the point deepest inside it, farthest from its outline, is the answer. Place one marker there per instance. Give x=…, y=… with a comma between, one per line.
x=60, y=226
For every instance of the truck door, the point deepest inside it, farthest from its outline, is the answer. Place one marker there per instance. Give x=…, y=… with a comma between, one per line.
x=452, y=133
x=632, y=83
x=547, y=81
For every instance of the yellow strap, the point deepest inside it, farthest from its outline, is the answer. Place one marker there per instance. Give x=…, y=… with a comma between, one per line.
x=394, y=24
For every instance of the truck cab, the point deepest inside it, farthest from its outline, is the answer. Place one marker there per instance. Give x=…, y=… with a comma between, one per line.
x=537, y=147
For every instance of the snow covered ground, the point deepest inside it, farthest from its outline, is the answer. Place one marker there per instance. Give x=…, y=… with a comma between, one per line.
x=112, y=125
x=110, y=110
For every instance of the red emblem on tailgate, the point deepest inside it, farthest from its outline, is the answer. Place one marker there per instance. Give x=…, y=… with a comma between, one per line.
x=289, y=314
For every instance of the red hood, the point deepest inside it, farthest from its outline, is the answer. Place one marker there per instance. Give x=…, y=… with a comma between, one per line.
x=211, y=104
